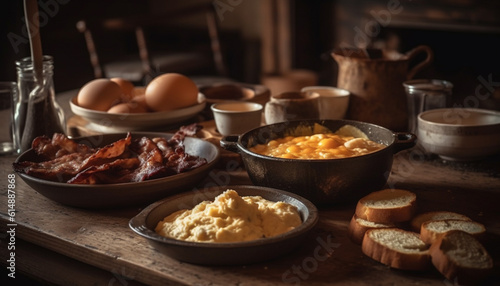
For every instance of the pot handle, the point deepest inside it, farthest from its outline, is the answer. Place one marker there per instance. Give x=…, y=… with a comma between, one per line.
x=404, y=140
x=413, y=53
x=230, y=143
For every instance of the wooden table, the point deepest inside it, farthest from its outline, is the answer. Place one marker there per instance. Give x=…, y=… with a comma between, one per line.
x=69, y=246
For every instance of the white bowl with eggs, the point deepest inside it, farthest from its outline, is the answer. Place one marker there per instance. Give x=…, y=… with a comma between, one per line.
x=460, y=134
x=114, y=104
x=137, y=121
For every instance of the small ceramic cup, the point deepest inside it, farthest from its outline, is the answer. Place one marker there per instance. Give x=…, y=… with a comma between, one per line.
x=234, y=118
x=292, y=105
x=333, y=101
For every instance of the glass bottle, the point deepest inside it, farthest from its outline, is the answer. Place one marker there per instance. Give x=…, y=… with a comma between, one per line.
x=36, y=113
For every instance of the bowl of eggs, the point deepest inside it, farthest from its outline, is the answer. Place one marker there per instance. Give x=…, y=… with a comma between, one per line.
x=329, y=162
x=117, y=104
x=234, y=245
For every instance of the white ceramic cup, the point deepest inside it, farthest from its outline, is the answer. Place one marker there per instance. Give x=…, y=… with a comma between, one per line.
x=234, y=118
x=333, y=101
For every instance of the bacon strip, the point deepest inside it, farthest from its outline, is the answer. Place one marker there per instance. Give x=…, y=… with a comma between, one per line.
x=58, y=170
x=151, y=160
x=117, y=171
x=110, y=151
x=58, y=146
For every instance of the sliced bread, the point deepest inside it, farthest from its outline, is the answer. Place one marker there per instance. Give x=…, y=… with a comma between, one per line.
x=419, y=219
x=358, y=227
x=430, y=231
x=387, y=206
x=396, y=248
x=461, y=258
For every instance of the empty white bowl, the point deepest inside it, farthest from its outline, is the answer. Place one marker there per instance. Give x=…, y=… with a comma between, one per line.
x=460, y=134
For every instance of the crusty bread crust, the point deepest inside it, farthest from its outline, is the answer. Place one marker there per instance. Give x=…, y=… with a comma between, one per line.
x=455, y=270
x=387, y=206
x=415, y=260
x=358, y=227
x=429, y=234
x=419, y=219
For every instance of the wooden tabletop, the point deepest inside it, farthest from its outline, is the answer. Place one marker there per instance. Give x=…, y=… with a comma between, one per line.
x=65, y=245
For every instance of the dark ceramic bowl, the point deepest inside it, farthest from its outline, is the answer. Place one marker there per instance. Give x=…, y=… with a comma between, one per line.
x=327, y=181
x=123, y=194
x=233, y=253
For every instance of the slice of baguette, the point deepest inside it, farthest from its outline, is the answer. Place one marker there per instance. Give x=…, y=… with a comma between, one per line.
x=396, y=248
x=418, y=220
x=432, y=230
x=461, y=258
x=387, y=206
x=358, y=227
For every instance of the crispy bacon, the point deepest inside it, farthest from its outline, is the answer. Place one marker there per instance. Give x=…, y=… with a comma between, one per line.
x=151, y=158
x=107, y=153
x=189, y=130
x=58, y=146
x=181, y=161
x=117, y=171
x=174, y=155
x=125, y=160
x=58, y=170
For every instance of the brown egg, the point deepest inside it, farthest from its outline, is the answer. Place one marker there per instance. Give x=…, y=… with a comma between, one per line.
x=99, y=94
x=171, y=91
x=139, y=90
x=141, y=101
x=128, y=107
x=126, y=86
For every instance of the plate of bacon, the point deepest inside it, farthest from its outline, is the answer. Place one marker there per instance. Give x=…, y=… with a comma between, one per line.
x=116, y=170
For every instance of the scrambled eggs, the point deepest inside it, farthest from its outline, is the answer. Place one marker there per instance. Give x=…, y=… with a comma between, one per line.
x=230, y=218
x=317, y=146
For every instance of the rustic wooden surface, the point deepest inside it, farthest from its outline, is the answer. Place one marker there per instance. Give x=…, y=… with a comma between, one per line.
x=57, y=243
x=102, y=239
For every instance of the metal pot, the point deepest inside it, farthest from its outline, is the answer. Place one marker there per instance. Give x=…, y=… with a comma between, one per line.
x=329, y=181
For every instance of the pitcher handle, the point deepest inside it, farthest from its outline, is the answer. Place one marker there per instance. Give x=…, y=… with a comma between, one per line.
x=413, y=53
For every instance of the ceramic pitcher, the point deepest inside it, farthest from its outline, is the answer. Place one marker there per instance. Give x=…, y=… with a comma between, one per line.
x=375, y=79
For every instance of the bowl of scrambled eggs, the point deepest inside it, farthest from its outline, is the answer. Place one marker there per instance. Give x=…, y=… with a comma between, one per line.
x=227, y=225
x=329, y=162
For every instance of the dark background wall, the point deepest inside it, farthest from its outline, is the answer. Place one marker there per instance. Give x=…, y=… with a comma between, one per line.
x=59, y=35
x=465, y=36
x=61, y=39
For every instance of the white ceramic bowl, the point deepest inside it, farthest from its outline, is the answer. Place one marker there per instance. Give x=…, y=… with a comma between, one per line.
x=236, y=117
x=115, y=122
x=333, y=101
x=460, y=134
